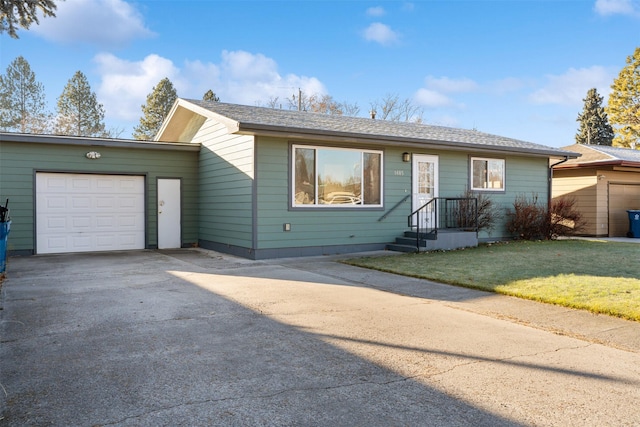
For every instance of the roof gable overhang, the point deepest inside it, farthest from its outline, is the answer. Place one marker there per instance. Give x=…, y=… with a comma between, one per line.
x=185, y=119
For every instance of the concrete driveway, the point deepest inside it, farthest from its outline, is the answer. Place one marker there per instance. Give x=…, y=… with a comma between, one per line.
x=195, y=338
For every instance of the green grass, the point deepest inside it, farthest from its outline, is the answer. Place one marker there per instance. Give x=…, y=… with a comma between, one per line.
x=599, y=276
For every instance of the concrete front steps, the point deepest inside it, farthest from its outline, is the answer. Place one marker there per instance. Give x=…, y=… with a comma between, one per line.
x=441, y=240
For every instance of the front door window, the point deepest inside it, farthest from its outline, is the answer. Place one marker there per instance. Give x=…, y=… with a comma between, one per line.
x=425, y=188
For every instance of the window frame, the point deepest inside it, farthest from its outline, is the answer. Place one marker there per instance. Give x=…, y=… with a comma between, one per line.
x=338, y=206
x=486, y=178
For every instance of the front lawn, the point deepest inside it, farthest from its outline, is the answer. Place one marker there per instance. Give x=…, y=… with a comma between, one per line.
x=599, y=276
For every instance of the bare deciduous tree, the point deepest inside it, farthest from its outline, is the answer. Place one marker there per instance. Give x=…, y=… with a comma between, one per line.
x=392, y=108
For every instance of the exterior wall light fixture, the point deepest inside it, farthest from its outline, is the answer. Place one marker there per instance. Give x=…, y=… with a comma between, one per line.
x=93, y=155
x=406, y=157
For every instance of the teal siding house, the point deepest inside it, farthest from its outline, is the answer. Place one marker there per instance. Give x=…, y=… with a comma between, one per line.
x=260, y=183
x=279, y=183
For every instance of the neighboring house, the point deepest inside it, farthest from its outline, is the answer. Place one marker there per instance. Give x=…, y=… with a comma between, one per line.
x=277, y=183
x=256, y=182
x=605, y=182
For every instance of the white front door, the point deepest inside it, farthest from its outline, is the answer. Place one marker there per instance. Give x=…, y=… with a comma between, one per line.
x=169, y=231
x=424, y=188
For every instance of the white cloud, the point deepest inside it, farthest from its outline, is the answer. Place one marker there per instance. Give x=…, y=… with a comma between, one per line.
x=436, y=92
x=248, y=78
x=106, y=23
x=571, y=87
x=245, y=66
x=380, y=33
x=408, y=7
x=617, y=7
x=125, y=84
x=506, y=85
x=432, y=99
x=447, y=85
x=241, y=77
x=376, y=11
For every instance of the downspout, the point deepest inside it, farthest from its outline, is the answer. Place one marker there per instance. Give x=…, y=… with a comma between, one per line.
x=550, y=188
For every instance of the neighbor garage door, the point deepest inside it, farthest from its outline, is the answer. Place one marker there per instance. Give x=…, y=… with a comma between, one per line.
x=86, y=213
x=621, y=198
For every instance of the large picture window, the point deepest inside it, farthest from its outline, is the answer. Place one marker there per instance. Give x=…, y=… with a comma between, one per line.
x=336, y=177
x=487, y=174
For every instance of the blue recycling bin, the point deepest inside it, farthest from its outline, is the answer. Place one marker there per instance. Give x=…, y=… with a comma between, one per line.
x=634, y=223
x=5, y=227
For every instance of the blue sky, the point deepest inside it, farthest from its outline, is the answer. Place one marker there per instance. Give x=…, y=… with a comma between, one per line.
x=514, y=68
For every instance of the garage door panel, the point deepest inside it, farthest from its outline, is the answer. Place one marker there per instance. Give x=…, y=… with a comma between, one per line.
x=105, y=184
x=104, y=222
x=80, y=202
x=81, y=243
x=621, y=198
x=54, y=184
x=54, y=202
x=80, y=184
x=130, y=203
x=82, y=213
x=128, y=221
x=56, y=244
x=81, y=222
x=56, y=222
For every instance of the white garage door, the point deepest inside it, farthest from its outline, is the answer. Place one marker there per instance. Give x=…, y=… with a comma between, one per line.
x=86, y=213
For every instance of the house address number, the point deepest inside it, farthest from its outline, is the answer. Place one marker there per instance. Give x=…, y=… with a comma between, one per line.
x=398, y=172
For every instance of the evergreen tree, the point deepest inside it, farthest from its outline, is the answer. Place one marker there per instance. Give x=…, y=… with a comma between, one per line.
x=624, y=103
x=23, y=13
x=210, y=96
x=79, y=112
x=22, y=100
x=159, y=103
x=594, y=124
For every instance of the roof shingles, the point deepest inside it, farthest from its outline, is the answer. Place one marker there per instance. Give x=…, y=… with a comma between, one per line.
x=592, y=154
x=252, y=118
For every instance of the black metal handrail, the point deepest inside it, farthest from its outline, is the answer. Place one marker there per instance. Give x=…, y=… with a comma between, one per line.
x=459, y=213
x=415, y=219
x=386, y=214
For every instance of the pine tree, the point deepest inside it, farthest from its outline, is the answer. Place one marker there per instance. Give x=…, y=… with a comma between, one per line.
x=210, y=96
x=23, y=13
x=159, y=103
x=594, y=124
x=22, y=100
x=624, y=103
x=79, y=112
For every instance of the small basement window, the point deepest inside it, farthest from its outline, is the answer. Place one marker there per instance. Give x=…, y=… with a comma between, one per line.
x=336, y=177
x=487, y=174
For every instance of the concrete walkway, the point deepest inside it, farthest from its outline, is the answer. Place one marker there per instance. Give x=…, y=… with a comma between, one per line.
x=196, y=338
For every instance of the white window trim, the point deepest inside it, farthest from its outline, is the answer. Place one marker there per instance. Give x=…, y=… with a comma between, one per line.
x=488, y=159
x=333, y=206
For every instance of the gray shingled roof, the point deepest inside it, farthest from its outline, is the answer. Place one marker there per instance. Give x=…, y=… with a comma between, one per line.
x=601, y=154
x=251, y=118
x=618, y=153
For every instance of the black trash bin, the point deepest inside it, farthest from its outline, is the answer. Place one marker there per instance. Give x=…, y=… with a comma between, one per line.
x=634, y=223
